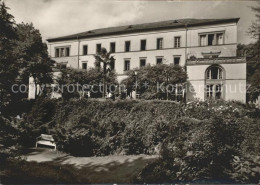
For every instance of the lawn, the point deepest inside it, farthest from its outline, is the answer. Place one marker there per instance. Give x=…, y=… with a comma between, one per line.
x=48, y=166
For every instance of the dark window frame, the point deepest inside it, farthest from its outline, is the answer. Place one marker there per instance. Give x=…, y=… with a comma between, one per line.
x=140, y=62
x=97, y=49
x=84, y=50
x=59, y=53
x=127, y=65
x=177, y=44
x=158, y=43
x=176, y=57
x=84, y=63
x=114, y=49
x=159, y=58
x=127, y=48
x=214, y=40
x=141, y=46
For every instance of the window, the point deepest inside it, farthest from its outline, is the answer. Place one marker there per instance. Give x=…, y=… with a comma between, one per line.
x=159, y=60
x=62, y=52
x=143, y=45
x=203, y=40
x=176, y=60
x=112, y=47
x=142, y=62
x=209, y=91
x=112, y=65
x=127, y=46
x=159, y=43
x=57, y=52
x=211, y=39
x=61, y=65
x=98, y=47
x=84, y=65
x=214, y=91
x=127, y=65
x=177, y=42
x=220, y=39
x=85, y=49
x=214, y=82
x=218, y=91
x=214, y=72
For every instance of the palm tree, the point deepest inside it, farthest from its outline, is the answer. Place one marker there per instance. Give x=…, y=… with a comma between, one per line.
x=103, y=57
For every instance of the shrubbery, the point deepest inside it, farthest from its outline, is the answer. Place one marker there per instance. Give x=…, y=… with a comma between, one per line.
x=214, y=148
x=199, y=140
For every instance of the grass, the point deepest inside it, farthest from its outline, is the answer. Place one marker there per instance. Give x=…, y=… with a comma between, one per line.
x=62, y=168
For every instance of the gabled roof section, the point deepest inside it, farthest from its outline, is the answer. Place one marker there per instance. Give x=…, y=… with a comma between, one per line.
x=181, y=23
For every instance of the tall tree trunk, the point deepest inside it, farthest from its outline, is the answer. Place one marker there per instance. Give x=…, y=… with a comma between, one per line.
x=104, y=79
x=35, y=92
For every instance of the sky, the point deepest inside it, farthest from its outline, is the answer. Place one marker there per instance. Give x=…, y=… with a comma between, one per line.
x=56, y=18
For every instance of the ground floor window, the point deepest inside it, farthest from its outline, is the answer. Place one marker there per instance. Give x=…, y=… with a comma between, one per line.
x=127, y=65
x=84, y=65
x=142, y=62
x=214, y=91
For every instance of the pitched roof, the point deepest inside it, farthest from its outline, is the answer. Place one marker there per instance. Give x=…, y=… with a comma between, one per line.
x=180, y=23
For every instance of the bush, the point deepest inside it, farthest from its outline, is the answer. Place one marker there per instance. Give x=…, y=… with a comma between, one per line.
x=200, y=139
x=205, y=148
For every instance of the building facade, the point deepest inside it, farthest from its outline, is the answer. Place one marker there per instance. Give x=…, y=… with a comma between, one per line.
x=206, y=48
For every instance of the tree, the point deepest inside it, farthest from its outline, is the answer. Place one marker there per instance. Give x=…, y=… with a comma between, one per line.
x=253, y=58
x=254, y=29
x=33, y=56
x=82, y=80
x=149, y=77
x=8, y=65
x=103, y=57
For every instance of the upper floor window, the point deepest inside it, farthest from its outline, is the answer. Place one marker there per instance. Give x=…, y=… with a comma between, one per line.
x=220, y=38
x=84, y=65
x=159, y=60
x=85, y=49
x=159, y=43
x=127, y=46
x=112, y=47
x=214, y=73
x=203, y=40
x=127, y=65
x=142, y=62
x=177, y=42
x=112, y=65
x=211, y=39
x=98, y=47
x=62, y=52
x=143, y=45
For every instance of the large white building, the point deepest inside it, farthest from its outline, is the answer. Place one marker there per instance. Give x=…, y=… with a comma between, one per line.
x=205, y=47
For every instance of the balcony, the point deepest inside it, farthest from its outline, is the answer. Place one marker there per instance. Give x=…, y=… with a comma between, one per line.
x=220, y=60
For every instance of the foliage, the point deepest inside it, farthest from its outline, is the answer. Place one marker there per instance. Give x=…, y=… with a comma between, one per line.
x=32, y=54
x=22, y=54
x=253, y=58
x=7, y=59
x=207, y=147
x=9, y=139
x=254, y=29
x=104, y=58
x=200, y=140
x=147, y=79
x=73, y=83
